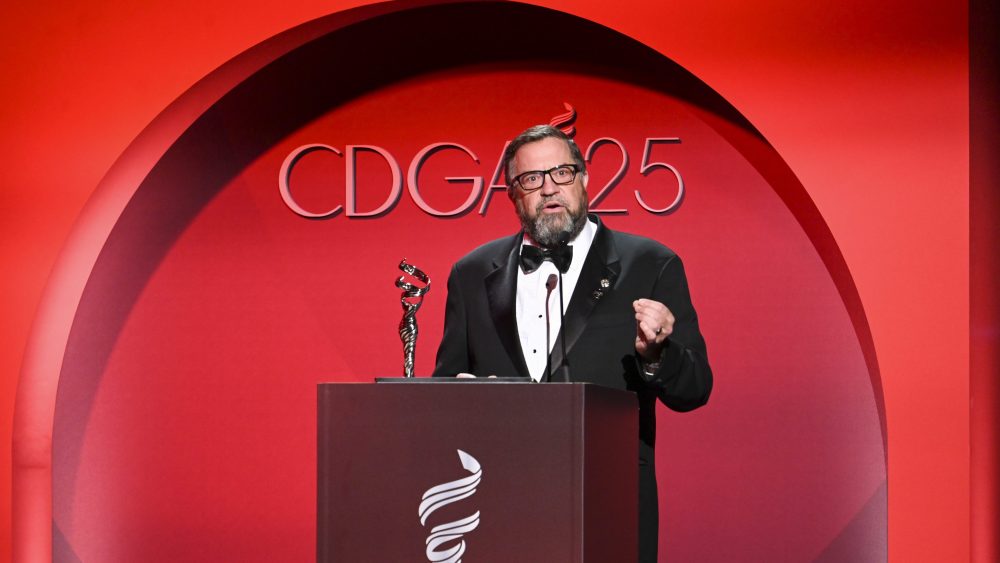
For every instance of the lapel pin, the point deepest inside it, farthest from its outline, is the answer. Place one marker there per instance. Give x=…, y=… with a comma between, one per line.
x=598, y=293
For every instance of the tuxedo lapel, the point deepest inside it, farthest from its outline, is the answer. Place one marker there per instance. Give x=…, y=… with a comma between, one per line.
x=501, y=285
x=600, y=271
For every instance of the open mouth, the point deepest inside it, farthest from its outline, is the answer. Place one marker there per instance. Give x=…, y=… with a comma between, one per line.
x=552, y=207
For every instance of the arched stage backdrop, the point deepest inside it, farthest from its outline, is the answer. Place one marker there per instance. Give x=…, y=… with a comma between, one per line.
x=210, y=300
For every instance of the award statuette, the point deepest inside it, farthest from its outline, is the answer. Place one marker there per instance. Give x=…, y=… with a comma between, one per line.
x=411, y=299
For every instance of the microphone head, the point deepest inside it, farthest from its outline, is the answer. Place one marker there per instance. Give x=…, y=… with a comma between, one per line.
x=550, y=283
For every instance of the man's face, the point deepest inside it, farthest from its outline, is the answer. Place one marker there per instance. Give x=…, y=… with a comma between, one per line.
x=552, y=213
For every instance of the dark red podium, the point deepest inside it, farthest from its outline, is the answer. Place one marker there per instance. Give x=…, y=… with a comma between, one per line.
x=497, y=472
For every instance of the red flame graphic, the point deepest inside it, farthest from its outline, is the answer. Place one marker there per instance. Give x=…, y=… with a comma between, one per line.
x=564, y=121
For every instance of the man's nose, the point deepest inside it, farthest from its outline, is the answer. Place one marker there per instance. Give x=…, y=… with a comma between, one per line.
x=548, y=186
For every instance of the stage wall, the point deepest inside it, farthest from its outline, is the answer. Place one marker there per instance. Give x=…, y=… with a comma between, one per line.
x=793, y=223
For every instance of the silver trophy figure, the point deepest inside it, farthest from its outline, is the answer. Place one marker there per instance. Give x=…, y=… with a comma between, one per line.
x=411, y=299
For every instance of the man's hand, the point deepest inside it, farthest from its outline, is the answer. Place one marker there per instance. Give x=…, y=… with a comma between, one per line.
x=470, y=376
x=654, y=323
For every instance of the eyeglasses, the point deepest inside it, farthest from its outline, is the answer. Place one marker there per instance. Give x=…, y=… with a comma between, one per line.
x=534, y=179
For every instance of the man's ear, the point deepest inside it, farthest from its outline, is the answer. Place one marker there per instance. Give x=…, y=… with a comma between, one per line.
x=586, y=177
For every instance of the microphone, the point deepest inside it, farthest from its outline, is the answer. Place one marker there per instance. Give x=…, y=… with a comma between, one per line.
x=550, y=284
x=562, y=373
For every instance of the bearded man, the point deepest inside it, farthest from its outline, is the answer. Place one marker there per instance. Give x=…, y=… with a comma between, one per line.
x=629, y=321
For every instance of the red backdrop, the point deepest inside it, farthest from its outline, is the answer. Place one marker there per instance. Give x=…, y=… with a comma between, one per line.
x=872, y=123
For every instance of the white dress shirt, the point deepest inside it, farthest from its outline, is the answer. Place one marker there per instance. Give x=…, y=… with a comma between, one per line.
x=531, y=294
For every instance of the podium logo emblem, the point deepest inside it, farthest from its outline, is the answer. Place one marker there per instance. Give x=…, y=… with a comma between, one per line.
x=446, y=543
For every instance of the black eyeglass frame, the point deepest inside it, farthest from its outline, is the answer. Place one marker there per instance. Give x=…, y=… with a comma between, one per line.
x=517, y=179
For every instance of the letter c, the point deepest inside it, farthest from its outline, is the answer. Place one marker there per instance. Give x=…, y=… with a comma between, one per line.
x=286, y=172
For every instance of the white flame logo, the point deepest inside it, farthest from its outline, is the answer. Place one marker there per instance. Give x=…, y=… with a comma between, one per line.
x=443, y=495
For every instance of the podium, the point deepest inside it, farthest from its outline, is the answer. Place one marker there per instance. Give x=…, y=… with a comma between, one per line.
x=478, y=471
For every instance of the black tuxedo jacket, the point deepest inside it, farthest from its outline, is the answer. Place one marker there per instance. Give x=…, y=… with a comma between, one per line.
x=480, y=333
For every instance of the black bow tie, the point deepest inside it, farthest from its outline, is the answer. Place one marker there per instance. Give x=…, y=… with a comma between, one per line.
x=533, y=256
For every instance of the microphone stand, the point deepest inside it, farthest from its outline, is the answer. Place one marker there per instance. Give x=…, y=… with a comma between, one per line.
x=562, y=373
x=550, y=284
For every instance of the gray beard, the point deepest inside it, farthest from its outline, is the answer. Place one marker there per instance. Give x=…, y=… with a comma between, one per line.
x=549, y=231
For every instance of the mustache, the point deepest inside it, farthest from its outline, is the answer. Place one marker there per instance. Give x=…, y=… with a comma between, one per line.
x=552, y=199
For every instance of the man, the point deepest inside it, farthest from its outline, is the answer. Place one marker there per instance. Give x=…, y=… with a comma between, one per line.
x=629, y=321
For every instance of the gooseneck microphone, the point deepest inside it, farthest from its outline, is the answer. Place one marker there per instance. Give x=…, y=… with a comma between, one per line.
x=562, y=372
x=550, y=284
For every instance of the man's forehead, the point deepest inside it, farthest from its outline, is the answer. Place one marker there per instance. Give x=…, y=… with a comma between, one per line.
x=547, y=148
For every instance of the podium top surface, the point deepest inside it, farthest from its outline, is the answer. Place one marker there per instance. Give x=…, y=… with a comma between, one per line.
x=454, y=380
x=517, y=385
